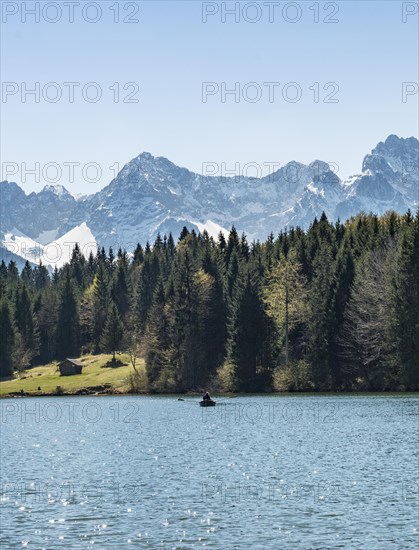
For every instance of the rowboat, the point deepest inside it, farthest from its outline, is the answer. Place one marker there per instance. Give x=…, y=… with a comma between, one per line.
x=207, y=403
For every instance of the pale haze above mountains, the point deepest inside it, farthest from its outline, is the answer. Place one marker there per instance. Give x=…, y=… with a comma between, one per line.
x=151, y=195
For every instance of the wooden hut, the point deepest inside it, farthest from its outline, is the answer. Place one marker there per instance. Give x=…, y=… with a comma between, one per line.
x=68, y=367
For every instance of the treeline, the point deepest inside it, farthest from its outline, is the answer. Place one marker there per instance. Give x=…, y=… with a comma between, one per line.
x=331, y=308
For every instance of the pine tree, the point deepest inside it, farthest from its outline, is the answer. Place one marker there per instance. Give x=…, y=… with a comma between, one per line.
x=100, y=304
x=27, y=323
x=214, y=312
x=157, y=343
x=222, y=244
x=209, y=324
x=184, y=234
x=232, y=274
x=12, y=272
x=119, y=289
x=321, y=321
x=171, y=247
x=404, y=313
x=145, y=290
x=110, y=260
x=27, y=275
x=91, y=267
x=47, y=320
x=233, y=246
x=88, y=319
x=341, y=286
x=113, y=331
x=138, y=255
x=77, y=262
x=41, y=277
x=7, y=340
x=3, y=270
x=246, y=334
x=68, y=327
x=183, y=327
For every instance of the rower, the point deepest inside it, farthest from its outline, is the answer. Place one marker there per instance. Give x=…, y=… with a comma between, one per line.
x=206, y=397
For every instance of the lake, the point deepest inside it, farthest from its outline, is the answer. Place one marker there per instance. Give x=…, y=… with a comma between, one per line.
x=255, y=472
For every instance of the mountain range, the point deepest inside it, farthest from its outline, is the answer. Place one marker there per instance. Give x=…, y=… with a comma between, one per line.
x=151, y=195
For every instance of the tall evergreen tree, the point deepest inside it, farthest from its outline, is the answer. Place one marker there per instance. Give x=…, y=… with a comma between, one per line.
x=341, y=286
x=41, y=277
x=12, y=272
x=145, y=289
x=404, y=313
x=7, y=340
x=27, y=323
x=321, y=321
x=184, y=328
x=47, y=315
x=68, y=327
x=247, y=334
x=77, y=262
x=101, y=299
x=27, y=275
x=157, y=344
x=120, y=290
x=113, y=331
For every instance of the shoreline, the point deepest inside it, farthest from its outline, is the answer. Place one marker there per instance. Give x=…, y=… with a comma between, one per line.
x=101, y=392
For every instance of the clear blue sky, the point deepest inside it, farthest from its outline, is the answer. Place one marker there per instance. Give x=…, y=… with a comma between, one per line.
x=170, y=52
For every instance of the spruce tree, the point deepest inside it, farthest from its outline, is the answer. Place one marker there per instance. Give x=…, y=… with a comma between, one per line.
x=233, y=246
x=27, y=275
x=41, y=277
x=12, y=272
x=7, y=340
x=404, y=313
x=27, y=322
x=68, y=326
x=77, y=262
x=100, y=304
x=184, y=327
x=47, y=320
x=119, y=289
x=3, y=270
x=138, y=255
x=341, y=287
x=321, y=321
x=246, y=334
x=113, y=331
x=215, y=329
x=145, y=289
x=157, y=344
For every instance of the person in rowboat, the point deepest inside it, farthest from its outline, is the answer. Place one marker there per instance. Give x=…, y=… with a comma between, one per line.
x=206, y=397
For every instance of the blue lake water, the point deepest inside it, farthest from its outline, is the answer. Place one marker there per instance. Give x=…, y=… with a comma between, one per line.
x=255, y=472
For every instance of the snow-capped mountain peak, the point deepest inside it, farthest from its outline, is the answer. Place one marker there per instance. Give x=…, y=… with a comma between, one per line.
x=153, y=195
x=58, y=190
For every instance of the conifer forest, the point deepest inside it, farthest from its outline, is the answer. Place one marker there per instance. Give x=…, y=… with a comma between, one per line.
x=333, y=308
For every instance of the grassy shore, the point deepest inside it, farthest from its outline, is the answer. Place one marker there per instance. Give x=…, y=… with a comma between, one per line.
x=96, y=377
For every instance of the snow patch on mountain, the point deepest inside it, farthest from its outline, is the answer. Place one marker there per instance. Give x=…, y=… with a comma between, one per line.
x=21, y=245
x=212, y=228
x=151, y=195
x=80, y=235
x=58, y=190
x=55, y=253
